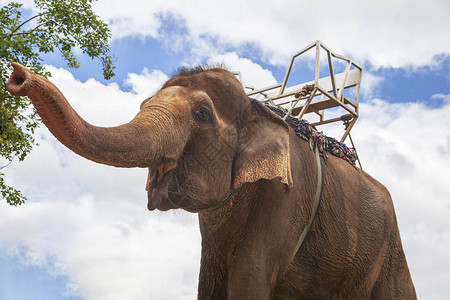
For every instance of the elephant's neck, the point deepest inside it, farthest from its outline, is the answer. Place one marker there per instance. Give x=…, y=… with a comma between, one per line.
x=266, y=204
x=221, y=231
x=225, y=221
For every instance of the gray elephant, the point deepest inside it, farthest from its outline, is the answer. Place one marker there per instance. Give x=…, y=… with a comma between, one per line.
x=213, y=151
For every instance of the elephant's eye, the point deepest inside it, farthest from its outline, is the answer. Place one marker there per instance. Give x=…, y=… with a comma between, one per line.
x=202, y=115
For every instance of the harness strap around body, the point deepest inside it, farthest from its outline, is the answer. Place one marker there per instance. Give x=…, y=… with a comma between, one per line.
x=224, y=202
x=315, y=205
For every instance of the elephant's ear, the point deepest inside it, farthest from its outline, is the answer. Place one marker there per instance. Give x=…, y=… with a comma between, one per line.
x=263, y=147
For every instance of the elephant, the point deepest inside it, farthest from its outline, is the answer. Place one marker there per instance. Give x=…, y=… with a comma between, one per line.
x=212, y=150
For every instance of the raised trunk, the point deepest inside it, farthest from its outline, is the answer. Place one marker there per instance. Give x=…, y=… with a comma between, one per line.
x=148, y=140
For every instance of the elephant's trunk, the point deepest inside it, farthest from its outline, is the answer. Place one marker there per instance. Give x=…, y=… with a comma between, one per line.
x=150, y=139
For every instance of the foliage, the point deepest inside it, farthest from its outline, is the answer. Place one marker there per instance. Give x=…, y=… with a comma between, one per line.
x=58, y=25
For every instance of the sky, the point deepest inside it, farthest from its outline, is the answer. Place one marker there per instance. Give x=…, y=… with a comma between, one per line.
x=85, y=231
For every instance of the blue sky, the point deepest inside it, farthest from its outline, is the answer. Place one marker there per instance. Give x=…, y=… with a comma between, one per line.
x=85, y=232
x=19, y=281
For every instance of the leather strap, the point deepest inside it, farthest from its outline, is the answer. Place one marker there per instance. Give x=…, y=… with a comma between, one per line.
x=315, y=205
x=224, y=202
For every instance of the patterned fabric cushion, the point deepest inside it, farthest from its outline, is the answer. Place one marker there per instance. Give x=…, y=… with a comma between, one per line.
x=317, y=139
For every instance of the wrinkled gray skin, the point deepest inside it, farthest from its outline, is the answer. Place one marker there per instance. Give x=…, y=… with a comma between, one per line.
x=202, y=138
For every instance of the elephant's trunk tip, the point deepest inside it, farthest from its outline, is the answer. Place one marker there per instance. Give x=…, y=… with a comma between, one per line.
x=16, y=84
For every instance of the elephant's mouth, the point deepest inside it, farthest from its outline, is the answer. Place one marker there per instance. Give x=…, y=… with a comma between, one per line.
x=157, y=186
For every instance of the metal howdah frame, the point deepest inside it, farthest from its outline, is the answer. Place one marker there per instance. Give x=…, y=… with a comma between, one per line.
x=336, y=90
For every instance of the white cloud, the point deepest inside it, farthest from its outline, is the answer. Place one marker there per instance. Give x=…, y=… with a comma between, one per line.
x=147, y=83
x=99, y=104
x=92, y=219
x=116, y=252
x=384, y=33
x=369, y=85
x=89, y=222
x=444, y=97
x=251, y=73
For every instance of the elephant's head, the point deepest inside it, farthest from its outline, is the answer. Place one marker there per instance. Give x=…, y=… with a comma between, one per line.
x=200, y=136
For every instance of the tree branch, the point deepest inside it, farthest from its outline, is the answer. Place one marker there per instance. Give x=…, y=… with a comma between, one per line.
x=23, y=32
x=23, y=23
x=7, y=164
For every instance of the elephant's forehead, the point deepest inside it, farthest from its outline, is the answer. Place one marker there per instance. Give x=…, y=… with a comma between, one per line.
x=172, y=91
x=173, y=95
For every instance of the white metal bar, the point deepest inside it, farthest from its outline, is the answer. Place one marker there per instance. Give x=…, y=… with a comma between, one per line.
x=305, y=106
x=341, y=89
x=333, y=80
x=259, y=91
x=288, y=71
x=347, y=131
x=316, y=77
x=306, y=48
